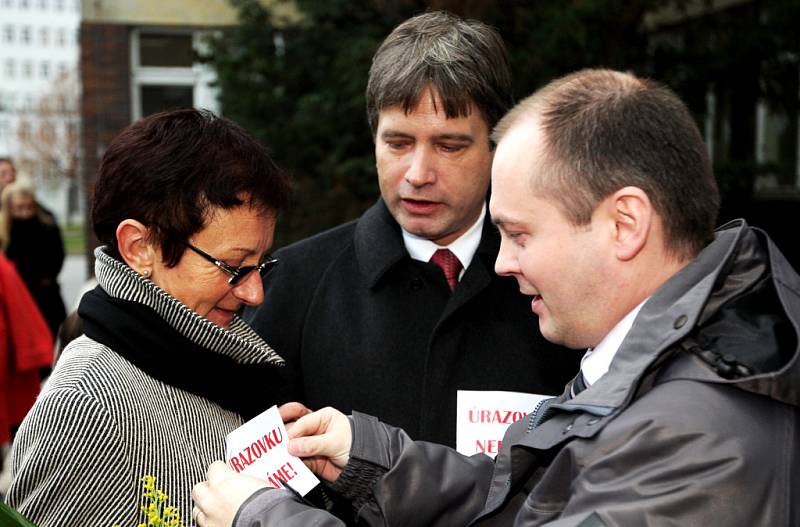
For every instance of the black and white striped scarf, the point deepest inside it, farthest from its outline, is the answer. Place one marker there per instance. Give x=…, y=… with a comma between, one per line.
x=163, y=337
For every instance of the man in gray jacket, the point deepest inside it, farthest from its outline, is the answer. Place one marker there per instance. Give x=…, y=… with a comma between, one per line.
x=685, y=411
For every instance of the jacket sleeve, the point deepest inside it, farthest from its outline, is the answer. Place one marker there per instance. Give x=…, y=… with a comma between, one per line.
x=273, y=507
x=690, y=454
x=423, y=483
x=392, y=480
x=69, y=465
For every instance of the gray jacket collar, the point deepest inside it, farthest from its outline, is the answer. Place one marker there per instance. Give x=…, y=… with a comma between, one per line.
x=676, y=309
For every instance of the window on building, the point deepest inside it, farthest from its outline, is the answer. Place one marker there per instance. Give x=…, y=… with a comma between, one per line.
x=24, y=130
x=165, y=74
x=8, y=100
x=59, y=5
x=47, y=132
x=61, y=36
x=27, y=69
x=25, y=34
x=44, y=36
x=166, y=50
x=7, y=3
x=62, y=68
x=43, y=5
x=9, y=68
x=8, y=34
x=44, y=70
x=777, y=140
x=157, y=98
x=24, y=4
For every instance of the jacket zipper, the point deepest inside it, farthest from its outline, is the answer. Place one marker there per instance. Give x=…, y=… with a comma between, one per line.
x=539, y=413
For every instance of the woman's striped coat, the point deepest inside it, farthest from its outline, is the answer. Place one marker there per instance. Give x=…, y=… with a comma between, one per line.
x=101, y=423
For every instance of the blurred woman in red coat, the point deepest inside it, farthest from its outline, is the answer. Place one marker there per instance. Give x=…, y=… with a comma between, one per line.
x=31, y=239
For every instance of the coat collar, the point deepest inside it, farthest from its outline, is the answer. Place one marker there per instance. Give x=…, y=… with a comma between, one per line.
x=668, y=316
x=728, y=266
x=379, y=247
x=378, y=243
x=239, y=342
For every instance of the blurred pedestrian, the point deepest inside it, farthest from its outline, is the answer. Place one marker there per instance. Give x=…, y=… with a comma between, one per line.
x=8, y=173
x=31, y=239
x=26, y=347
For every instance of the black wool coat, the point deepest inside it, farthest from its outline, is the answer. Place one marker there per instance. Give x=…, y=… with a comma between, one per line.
x=37, y=251
x=364, y=327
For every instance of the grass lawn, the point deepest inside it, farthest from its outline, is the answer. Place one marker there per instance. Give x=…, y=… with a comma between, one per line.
x=74, y=239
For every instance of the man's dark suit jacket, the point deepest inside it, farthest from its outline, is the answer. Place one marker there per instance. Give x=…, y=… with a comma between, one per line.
x=364, y=327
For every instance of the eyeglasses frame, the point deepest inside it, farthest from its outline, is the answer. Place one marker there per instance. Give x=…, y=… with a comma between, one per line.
x=237, y=274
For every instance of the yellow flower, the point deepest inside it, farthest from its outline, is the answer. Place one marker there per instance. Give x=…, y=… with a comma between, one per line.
x=155, y=506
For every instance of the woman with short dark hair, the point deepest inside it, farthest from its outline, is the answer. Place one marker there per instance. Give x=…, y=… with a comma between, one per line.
x=185, y=203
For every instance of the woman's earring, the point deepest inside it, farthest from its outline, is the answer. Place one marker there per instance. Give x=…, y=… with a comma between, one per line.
x=146, y=273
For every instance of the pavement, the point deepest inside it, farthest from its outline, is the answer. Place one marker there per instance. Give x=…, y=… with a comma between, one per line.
x=72, y=279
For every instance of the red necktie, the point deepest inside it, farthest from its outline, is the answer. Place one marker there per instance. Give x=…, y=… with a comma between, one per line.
x=450, y=265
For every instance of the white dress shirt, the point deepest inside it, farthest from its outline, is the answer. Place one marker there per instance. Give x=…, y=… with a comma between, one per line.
x=597, y=360
x=464, y=247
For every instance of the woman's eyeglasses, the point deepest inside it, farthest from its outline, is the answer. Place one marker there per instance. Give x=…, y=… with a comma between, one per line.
x=237, y=274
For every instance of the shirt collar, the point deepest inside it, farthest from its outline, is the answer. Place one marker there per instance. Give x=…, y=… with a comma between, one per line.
x=464, y=247
x=597, y=360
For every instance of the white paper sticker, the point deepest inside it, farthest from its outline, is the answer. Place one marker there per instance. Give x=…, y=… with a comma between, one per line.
x=259, y=448
x=482, y=418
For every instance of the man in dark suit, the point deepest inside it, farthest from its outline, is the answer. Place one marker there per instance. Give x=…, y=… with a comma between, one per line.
x=362, y=316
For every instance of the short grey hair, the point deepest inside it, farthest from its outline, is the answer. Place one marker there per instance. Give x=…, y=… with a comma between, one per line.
x=463, y=61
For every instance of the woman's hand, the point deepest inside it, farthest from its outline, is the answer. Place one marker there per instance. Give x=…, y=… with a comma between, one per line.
x=322, y=439
x=217, y=499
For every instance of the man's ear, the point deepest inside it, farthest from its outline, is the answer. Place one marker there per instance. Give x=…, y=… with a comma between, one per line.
x=134, y=246
x=632, y=212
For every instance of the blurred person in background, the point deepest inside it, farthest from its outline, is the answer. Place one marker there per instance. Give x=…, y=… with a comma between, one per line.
x=165, y=368
x=31, y=239
x=8, y=173
x=26, y=348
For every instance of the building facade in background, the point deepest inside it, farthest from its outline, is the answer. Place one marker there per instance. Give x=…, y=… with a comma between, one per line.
x=139, y=57
x=748, y=85
x=739, y=68
x=39, y=98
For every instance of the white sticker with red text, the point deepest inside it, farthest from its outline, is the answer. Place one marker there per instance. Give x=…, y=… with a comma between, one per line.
x=482, y=418
x=259, y=448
